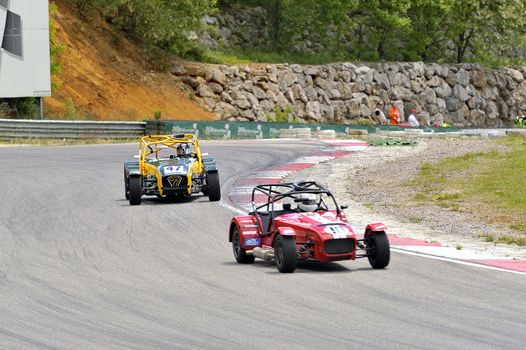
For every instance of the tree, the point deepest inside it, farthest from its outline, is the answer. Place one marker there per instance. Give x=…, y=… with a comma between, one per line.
x=165, y=24
x=381, y=27
x=426, y=40
x=480, y=27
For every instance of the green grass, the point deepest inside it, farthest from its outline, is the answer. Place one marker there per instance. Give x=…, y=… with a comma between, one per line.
x=415, y=219
x=506, y=239
x=260, y=56
x=518, y=227
x=493, y=180
x=487, y=237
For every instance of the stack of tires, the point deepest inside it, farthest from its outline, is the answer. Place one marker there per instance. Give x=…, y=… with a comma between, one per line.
x=303, y=133
x=287, y=134
x=358, y=133
x=325, y=134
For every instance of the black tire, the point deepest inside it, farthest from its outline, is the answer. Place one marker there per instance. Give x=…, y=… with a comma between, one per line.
x=126, y=185
x=285, y=254
x=239, y=253
x=214, y=188
x=134, y=186
x=378, y=250
x=126, y=188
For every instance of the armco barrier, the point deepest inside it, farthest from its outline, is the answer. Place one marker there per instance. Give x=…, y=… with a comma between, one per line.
x=252, y=130
x=12, y=129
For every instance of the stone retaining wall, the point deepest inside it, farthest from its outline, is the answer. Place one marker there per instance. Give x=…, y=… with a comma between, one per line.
x=463, y=95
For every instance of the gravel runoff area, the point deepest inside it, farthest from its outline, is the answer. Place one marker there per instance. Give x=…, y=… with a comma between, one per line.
x=372, y=181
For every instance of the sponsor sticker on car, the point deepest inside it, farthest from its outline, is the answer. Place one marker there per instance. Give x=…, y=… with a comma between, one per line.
x=252, y=241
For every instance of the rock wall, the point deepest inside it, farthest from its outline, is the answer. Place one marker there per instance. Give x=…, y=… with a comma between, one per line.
x=462, y=95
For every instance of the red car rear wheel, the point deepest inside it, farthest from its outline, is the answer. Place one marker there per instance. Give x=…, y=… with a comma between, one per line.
x=239, y=253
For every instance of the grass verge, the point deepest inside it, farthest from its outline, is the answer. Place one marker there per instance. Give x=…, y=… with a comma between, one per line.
x=491, y=183
x=260, y=56
x=520, y=241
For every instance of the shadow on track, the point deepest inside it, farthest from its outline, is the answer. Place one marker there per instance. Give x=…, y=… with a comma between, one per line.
x=166, y=200
x=303, y=267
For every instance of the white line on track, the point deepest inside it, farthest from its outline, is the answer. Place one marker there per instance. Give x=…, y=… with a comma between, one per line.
x=351, y=148
x=314, y=159
x=270, y=174
x=232, y=208
x=450, y=252
x=455, y=261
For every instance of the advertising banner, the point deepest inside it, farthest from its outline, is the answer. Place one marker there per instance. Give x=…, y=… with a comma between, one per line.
x=225, y=130
x=24, y=48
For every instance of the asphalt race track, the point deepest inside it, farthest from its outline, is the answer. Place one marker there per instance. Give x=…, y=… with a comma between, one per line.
x=82, y=269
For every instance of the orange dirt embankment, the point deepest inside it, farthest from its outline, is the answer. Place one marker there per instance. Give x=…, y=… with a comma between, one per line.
x=105, y=77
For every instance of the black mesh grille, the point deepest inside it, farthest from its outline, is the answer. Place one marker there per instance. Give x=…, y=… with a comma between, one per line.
x=339, y=246
x=175, y=182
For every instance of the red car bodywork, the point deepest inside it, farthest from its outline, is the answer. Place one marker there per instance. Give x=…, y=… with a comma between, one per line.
x=321, y=235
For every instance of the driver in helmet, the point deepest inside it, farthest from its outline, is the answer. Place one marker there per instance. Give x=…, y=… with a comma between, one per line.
x=307, y=202
x=180, y=151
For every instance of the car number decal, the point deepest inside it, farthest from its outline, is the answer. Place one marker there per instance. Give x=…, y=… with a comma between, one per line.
x=252, y=241
x=338, y=231
x=174, y=169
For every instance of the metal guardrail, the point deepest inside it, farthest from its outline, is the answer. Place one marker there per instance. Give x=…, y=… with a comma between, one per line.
x=12, y=129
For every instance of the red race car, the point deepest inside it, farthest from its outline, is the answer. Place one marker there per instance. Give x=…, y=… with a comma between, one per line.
x=302, y=221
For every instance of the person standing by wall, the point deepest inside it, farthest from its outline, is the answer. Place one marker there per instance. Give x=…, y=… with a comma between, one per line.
x=413, y=122
x=379, y=115
x=394, y=115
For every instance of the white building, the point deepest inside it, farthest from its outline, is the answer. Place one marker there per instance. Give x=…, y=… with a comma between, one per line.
x=24, y=48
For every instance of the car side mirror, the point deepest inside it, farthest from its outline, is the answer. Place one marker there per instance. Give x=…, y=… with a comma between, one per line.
x=137, y=156
x=343, y=207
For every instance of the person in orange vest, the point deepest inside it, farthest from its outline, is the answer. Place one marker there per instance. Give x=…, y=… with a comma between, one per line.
x=394, y=115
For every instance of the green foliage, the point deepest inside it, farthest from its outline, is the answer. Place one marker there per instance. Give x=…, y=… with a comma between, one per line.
x=506, y=239
x=5, y=110
x=56, y=49
x=281, y=115
x=487, y=31
x=169, y=25
x=157, y=115
x=487, y=237
x=312, y=31
x=391, y=142
x=74, y=113
x=71, y=111
x=362, y=121
x=20, y=108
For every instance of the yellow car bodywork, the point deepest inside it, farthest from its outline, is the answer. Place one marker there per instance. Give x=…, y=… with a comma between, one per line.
x=151, y=145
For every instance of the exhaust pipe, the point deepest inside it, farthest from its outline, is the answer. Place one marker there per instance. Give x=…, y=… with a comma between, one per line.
x=265, y=254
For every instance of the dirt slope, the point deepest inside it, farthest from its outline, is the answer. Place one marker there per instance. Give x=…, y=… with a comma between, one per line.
x=108, y=79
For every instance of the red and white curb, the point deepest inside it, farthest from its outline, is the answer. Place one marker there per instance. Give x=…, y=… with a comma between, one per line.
x=241, y=196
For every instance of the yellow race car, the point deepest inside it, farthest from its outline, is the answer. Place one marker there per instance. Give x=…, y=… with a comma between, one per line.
x=170, y=166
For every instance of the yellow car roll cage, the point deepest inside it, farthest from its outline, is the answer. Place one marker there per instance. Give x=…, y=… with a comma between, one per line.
x=153, y=144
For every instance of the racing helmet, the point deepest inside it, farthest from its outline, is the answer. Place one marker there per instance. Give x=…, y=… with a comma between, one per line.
x=180, y=151
x=308, y=202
